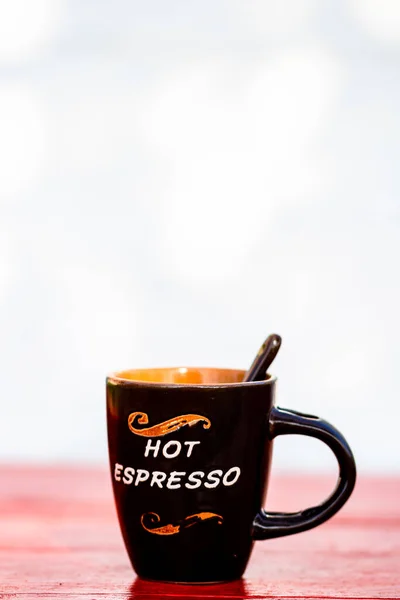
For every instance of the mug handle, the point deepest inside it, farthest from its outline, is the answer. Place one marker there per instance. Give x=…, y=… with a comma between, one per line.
x=283, y=421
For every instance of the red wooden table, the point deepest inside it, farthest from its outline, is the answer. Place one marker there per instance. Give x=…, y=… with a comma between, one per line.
x=59, y=538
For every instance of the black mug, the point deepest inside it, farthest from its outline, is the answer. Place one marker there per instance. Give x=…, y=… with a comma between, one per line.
x=190, y=455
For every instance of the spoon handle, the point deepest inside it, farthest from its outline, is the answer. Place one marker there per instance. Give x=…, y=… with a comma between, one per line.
x=264, y=358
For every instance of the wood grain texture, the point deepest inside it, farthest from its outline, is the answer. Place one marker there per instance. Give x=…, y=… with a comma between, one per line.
x=59, y=538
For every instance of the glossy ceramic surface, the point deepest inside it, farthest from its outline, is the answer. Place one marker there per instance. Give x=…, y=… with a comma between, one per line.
x=190, y=453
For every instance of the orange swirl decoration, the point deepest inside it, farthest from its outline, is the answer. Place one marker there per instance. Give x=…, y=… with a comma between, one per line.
x=165, y=427
x=153, y=519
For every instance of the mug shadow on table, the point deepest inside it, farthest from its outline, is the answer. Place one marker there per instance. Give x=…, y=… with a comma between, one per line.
x=149, y=590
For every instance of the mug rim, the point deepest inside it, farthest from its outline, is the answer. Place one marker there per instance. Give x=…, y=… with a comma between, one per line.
x=116, y=378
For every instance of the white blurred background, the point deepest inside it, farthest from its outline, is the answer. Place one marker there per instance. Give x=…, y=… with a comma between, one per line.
x=179, y=179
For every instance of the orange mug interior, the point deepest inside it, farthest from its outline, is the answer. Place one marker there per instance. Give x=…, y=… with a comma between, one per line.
x=181, y=375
